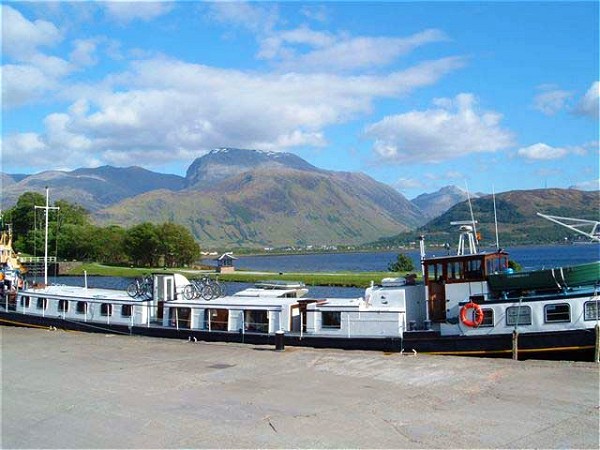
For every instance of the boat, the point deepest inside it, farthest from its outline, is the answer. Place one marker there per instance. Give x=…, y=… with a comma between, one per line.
x=11, y=268
x=546, y=279
x=467, y=304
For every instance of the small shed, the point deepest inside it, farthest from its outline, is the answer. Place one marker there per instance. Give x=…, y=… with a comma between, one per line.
x=225, y=263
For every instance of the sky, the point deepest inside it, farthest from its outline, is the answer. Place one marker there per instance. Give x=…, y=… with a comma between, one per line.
x=487, y=96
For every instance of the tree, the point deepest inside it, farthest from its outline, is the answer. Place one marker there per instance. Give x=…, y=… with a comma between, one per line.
x=109, y=244
x=177, y=246
x=402, y=264
x=71, y=213
x=22, y=216
x=142, y=243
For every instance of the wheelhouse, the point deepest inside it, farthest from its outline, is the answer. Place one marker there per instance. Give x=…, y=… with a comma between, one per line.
x=470, y=271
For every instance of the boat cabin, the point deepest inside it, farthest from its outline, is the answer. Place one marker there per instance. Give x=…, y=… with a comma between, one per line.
x=455, y=278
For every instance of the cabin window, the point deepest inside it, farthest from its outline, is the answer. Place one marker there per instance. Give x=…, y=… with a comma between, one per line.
x=473, y=269
x=63, y=306
x=106, y=309
x=218, y=319
x=42, y=303
x=557, y=313
x=488, y=318
x=126, y=310
x=455, y=271
x=180, y=317
x=496, y=265
x=590, y=310
x=25, y=301
x=331, y=319
x=518, y=315
x=434, y=272
x=82, y=307
x=256, y=321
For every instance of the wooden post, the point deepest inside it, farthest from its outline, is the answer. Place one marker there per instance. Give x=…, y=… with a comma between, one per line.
x=515, y=345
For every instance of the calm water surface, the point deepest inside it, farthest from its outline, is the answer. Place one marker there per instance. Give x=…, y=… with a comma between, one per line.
x=530, y=257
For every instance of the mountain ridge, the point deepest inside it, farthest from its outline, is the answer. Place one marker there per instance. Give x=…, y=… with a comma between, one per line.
x=237, y=197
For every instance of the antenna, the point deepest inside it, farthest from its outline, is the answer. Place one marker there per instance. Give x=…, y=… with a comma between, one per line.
x=495, y=218
x=47, y=210
x=472, y=217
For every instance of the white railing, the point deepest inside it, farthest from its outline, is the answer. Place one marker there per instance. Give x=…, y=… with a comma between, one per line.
x=36, y=259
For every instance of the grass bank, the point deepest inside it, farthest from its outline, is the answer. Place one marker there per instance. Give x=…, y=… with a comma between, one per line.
x=342, y=279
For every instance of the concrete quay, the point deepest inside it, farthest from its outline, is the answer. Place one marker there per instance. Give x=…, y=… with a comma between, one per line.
x=77, y=390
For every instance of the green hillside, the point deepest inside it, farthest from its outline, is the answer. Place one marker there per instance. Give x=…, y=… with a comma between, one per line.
x=518, y=222
x=276, y=207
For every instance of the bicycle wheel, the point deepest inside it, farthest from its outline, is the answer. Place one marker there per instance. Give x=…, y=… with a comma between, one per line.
x=132, y=290
x=189, y=292
x=220, y=289
x=207, y=292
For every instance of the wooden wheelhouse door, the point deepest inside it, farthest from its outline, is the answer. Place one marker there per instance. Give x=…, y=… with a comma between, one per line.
x=436, y=290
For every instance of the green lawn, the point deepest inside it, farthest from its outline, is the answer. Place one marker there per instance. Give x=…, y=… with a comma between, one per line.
x=346, y=279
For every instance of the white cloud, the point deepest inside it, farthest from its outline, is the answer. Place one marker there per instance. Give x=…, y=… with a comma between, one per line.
x=125, y=11
x=335, y=52
x=303, y=49
x=257, y=17
x=408, y=183
x=589, y=104
x=171, y=110
x=83, y=53
x=22, y=83
x=545, y=152
x=21, y=37
x=452, y=130
x=28, y=73
x=591, y=185
x=551, y=100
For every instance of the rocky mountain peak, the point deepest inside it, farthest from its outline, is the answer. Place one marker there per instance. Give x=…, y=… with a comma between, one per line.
x=222, y=163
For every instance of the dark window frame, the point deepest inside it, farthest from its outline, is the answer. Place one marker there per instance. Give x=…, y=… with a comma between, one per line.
x=331, y=320
x=512, y=320
x=82, y=307
x=106, y=309
x=42, y=303
x=557, y=316
x=126, y=310
x=587, y=314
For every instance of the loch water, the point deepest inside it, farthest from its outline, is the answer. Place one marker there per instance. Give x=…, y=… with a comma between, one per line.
x=529, y=257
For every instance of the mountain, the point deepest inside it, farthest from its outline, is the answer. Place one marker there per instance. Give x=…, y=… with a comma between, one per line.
x=516, y=211
x=93, y=189
x=276, y=205
x=223, y=163
x=436, y=203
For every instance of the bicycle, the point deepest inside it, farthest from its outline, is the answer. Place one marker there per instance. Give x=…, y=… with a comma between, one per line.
x=141, y=287
x=205, y=287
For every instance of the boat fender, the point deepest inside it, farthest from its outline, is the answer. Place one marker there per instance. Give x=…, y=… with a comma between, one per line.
x=477, y=315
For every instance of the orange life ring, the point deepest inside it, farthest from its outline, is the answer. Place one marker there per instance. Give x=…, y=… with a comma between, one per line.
x=477, y=315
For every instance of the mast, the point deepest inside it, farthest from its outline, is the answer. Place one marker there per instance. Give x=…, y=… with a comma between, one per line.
x=495, y=219
x=47, y=209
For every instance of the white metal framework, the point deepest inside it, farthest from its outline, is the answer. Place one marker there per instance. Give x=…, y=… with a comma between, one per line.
x=574, y=224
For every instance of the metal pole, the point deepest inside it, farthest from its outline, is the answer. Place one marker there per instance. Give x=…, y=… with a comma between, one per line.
x=46, y=240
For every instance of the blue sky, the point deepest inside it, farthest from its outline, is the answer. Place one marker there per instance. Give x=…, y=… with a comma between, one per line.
x=418, y=95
